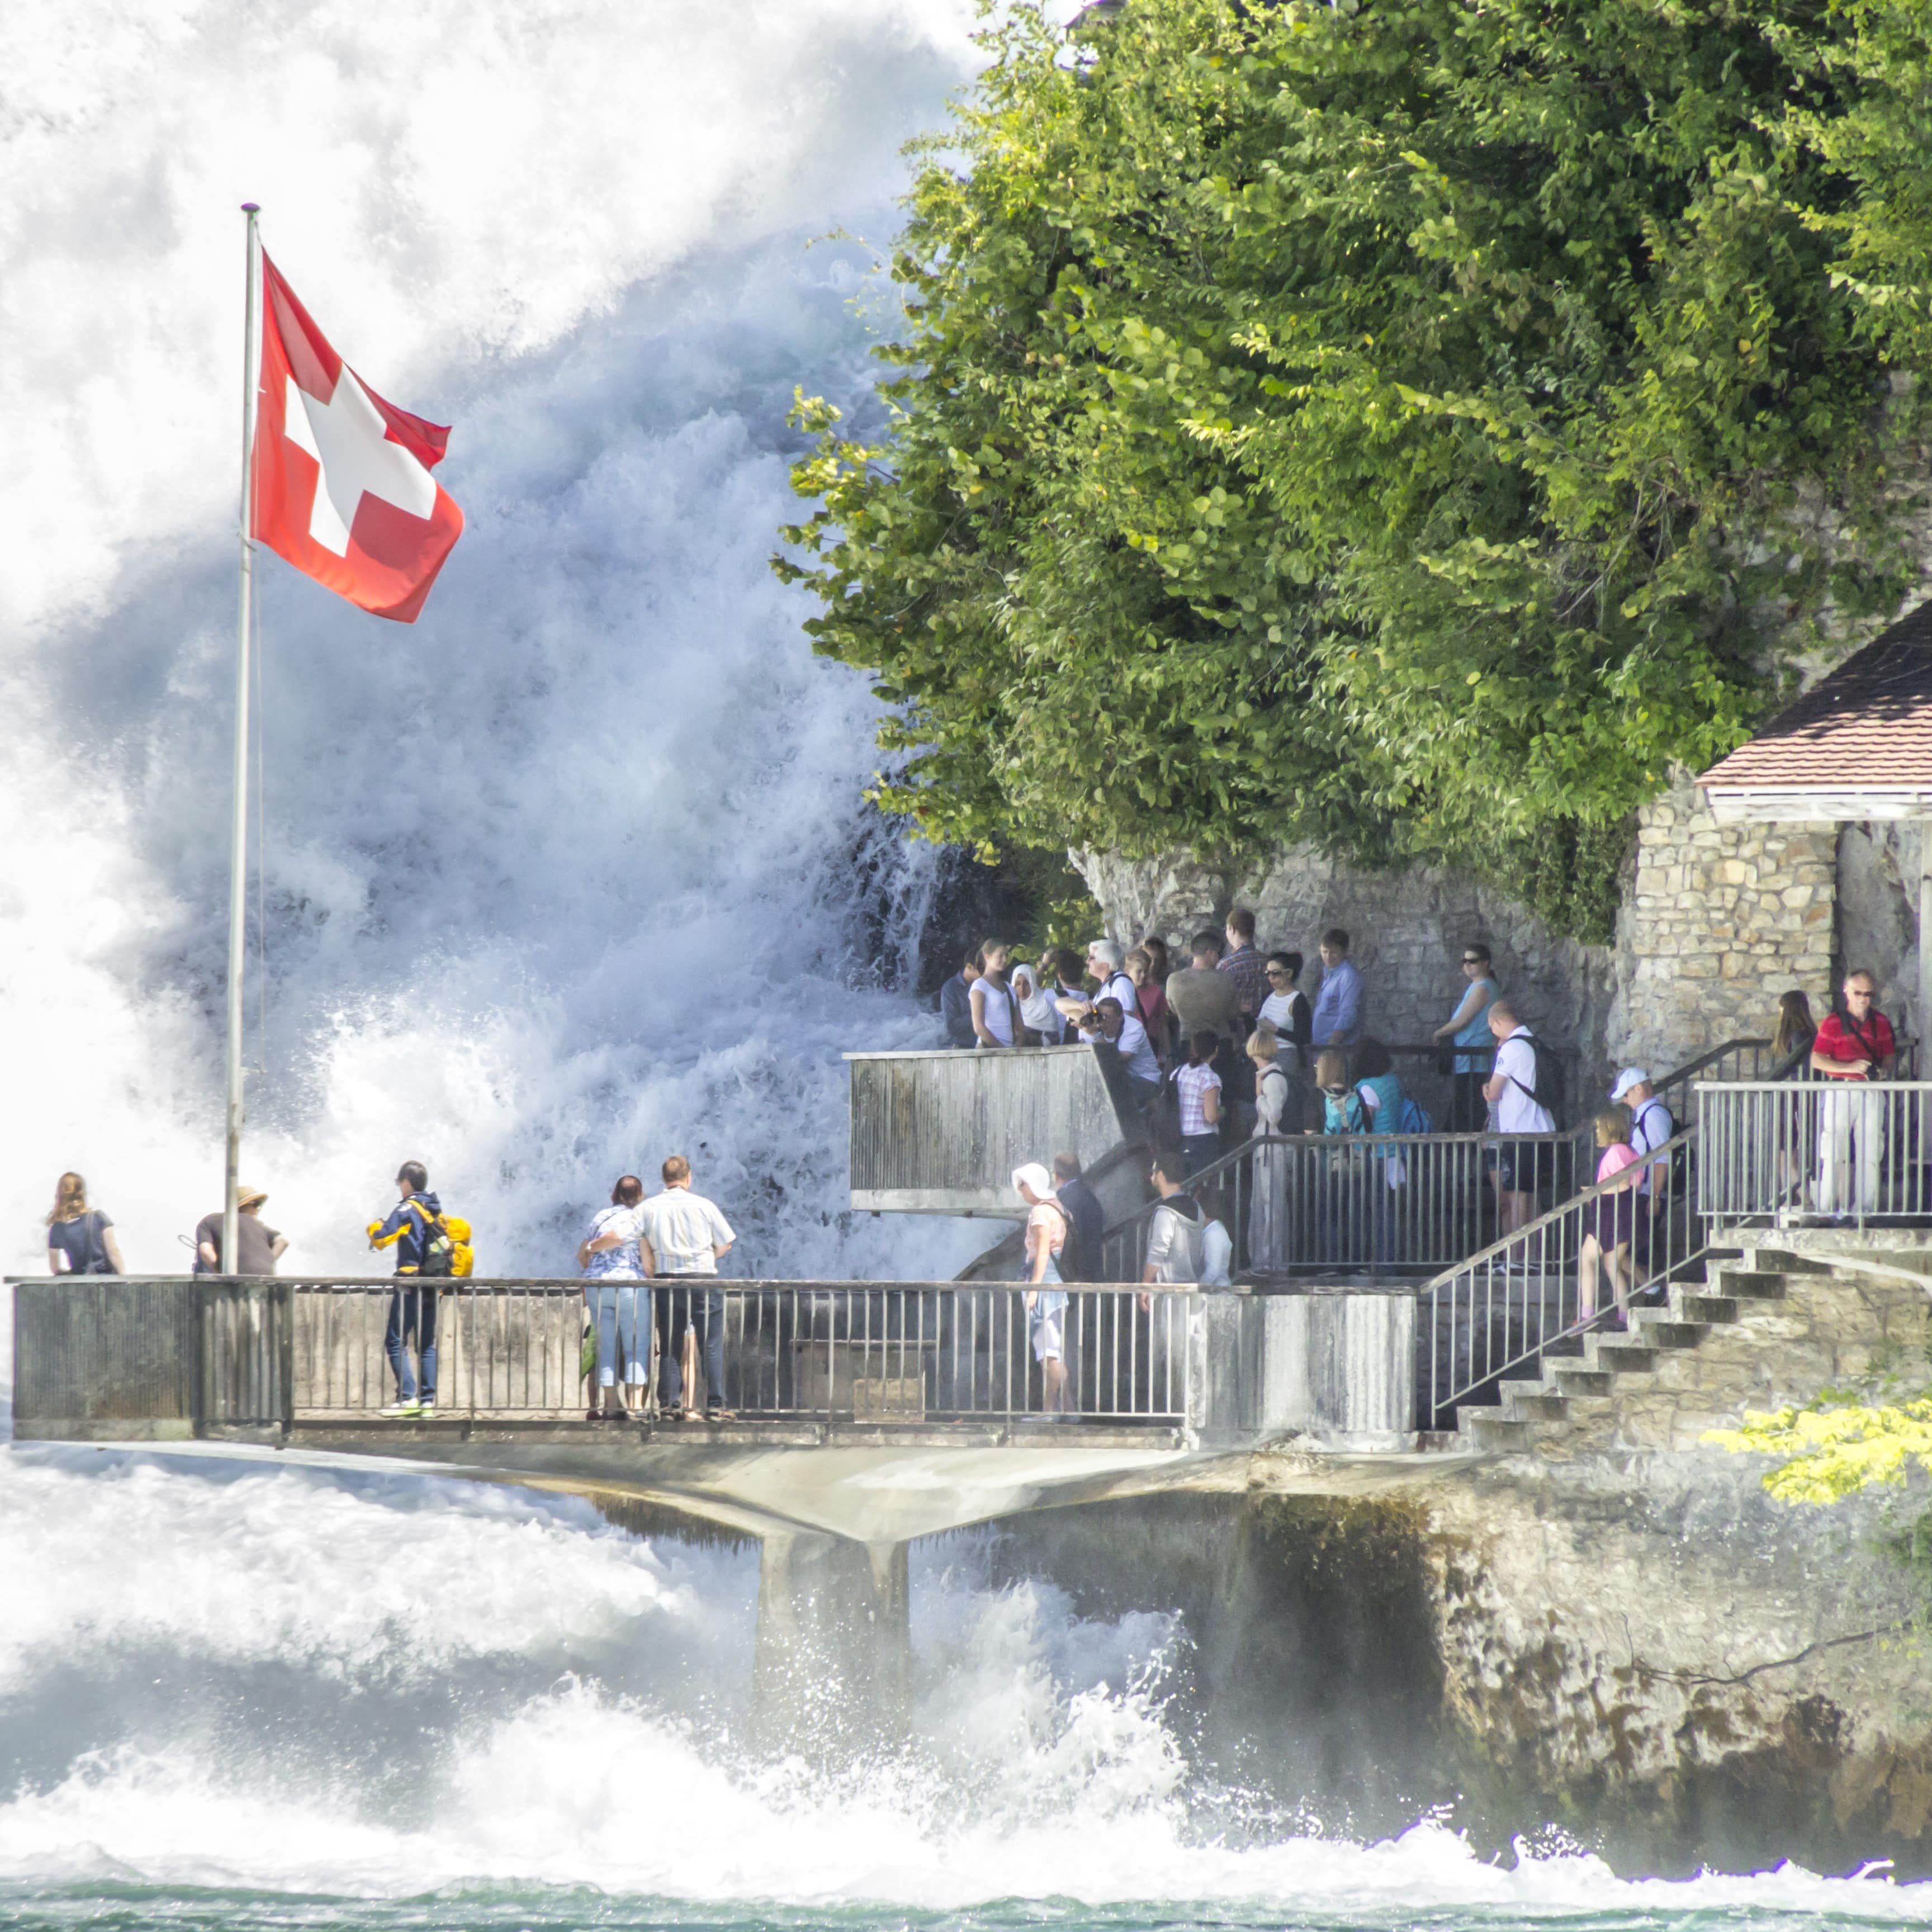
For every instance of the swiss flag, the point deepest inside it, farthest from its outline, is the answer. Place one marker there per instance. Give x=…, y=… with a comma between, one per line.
x=342, y=487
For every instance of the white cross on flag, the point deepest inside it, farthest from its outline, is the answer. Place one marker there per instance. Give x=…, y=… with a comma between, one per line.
x=342, y=487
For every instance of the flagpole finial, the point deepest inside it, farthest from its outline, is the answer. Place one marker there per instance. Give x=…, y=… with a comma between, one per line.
x=251, y=207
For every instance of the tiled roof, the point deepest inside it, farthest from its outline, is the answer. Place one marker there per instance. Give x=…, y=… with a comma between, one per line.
x=1867, y=727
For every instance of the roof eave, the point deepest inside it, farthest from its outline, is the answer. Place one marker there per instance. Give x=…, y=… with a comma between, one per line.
x=1814, y=805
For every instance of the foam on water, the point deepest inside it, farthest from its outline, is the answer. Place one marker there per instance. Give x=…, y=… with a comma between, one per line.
x=300, y=1683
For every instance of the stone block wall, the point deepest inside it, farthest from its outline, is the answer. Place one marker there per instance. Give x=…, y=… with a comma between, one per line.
x=1407, y=929
x=1719, y=921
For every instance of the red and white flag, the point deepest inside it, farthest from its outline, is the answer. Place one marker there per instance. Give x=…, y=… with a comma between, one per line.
x=342, y=487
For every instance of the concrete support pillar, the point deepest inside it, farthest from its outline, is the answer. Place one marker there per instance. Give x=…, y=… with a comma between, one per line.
x=835, y=1639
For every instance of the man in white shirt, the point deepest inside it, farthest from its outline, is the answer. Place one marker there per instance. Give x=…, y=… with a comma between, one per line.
x=1519, y=1168
x=1105, y=962
x=682, y=1236
x=1129, y=1039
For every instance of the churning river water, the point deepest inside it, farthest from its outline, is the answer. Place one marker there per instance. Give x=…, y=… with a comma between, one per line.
x=558, y=878
x=231, y=1697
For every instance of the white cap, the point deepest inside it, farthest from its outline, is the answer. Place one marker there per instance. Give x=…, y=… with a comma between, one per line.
x=1631, y=1076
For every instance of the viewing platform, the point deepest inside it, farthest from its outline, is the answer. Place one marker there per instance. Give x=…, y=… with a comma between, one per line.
x=1403, y=1353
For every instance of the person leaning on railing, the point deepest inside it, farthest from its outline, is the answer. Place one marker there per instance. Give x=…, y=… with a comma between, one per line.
x=1198, y=1087
x=1175, y=1232
x=955, y=1003
x=1366, y=1099
x=80, y=1239
x=1268, y=1174
x=996, y=1013
x=1791, y=1042
x=611, y=1258
x=682, y=1237
x=1123, y=1032
x=1521, y=1168
x=1854, y=1048
x=413, y=1311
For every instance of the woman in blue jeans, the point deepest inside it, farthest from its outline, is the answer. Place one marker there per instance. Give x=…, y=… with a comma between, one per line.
x=613, y=1268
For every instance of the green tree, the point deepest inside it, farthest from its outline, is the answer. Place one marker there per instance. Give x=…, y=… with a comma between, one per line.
x=1410, y=425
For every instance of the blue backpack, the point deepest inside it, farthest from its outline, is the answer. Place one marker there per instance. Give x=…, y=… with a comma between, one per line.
x=1415, y=1118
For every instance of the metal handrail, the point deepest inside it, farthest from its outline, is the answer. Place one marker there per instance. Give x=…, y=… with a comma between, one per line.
x=1817, y=1148
x=1468, y=1295
x=1231, y=1171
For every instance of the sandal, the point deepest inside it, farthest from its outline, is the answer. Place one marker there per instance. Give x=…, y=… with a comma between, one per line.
x=671, y=1412
x=720, y=1415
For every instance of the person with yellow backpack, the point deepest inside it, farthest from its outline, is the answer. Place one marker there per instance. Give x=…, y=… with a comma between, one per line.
x=430, y=1245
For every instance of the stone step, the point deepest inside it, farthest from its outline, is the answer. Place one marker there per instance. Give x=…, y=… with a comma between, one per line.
x=1578, y=1379
x=1749, y=1284
x=1774, y=1263
x=1710, y=1308
x=1491, y=1429
x=1532, y=1402
x=1657, y=1328
x=1621, y=1355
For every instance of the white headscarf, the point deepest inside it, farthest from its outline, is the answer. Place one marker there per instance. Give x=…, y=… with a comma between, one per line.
x=1036, y=1007
x=1035, y=1176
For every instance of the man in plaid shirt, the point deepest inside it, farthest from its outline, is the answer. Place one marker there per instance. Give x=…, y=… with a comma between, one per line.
x=1243, y=964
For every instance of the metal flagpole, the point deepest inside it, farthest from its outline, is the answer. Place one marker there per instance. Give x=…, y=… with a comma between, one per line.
x=237, y=847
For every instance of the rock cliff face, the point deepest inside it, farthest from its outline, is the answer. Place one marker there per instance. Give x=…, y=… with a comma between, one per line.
x=1666, y=1660
x=1610, y=1628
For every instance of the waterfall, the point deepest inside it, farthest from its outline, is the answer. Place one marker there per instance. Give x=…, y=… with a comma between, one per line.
x=560, y=879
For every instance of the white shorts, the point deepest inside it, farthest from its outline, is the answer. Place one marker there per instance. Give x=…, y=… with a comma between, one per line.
x=1046, y=1339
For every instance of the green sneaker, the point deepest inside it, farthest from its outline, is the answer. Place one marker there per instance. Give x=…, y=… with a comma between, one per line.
x=410, y=1408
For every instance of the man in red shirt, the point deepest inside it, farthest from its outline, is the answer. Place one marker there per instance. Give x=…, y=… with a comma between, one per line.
x=1852, y=1051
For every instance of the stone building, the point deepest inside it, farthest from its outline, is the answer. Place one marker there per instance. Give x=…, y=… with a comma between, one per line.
x=1794, y=859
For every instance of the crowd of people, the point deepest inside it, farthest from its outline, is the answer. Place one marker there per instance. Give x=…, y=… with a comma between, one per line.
x=631, y=1253
x=1229, y=1043
x=1228, y=1048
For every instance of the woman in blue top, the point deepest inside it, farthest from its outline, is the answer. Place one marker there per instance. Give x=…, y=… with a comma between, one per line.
x=612, y=1260
x=1370, y=1102
x=1469, y=1027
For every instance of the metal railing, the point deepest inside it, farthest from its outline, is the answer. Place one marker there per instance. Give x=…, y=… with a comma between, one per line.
x=1355, y=1203
x=1392, y=1204
x=1539, y=1289
x=262, y=1354
x=1816, y=1149
x=790, y=1351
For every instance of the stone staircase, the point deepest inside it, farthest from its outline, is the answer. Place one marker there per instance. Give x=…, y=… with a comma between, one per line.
x=1762, y=1329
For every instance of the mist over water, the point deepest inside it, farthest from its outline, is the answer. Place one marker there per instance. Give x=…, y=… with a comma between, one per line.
x=562, y=878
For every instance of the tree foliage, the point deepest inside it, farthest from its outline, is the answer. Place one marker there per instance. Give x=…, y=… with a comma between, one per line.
x=1402, y=423
x=1835, y=1450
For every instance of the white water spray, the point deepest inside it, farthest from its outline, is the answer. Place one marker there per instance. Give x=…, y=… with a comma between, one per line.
x=558, y=880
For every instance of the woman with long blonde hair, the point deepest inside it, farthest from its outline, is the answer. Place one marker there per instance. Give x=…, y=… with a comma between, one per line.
x=80, y=1239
